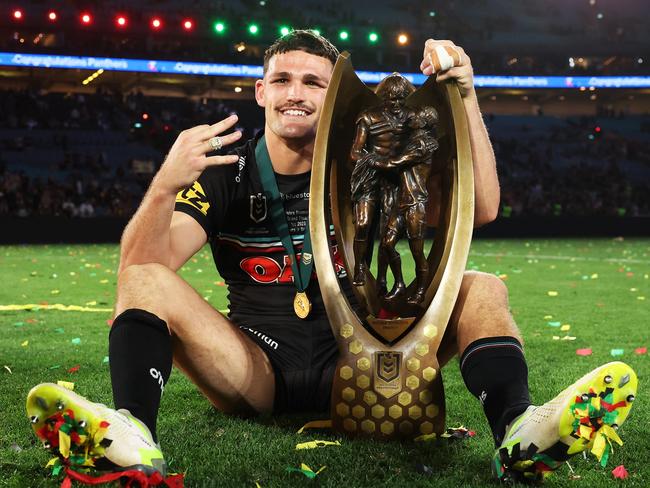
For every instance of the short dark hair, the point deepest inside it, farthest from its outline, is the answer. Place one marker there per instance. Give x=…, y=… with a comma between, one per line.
x=302, y=40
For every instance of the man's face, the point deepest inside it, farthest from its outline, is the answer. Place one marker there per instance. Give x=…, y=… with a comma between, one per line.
x=292, y=93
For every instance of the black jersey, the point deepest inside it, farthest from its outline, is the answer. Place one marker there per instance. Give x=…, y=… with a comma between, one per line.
x=229, y=203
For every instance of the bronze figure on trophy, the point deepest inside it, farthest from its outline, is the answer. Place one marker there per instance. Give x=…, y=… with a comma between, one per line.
x=392, y=153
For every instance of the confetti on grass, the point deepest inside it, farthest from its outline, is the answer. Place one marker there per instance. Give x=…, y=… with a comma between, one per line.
x=584, y=352
x=315, y=444
x=641, y=350
x=53, y=306
x=619, y=472
x=306, y=470
x=552, y=293
x=617, y=352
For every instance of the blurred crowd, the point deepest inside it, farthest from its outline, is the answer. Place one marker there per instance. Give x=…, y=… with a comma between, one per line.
x=503, y=37
x=87, y=155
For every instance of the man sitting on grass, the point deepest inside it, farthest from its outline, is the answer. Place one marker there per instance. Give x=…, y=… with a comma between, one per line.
x=263, y=358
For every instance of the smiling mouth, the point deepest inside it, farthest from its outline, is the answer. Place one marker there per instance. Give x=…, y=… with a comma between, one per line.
x=295, y=112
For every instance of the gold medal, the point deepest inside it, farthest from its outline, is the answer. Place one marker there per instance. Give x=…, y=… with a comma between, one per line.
x=301, y=305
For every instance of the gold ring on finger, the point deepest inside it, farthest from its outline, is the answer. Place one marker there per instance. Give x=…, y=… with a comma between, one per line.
x=216, y=143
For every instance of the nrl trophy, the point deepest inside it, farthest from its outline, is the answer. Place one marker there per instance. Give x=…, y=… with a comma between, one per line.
x=383, y=161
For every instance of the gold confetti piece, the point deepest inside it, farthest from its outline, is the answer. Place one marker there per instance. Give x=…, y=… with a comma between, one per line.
x=565, y=327
x=66, y=384
x=315, y=444
x=552, y=293
x=8, y=369
x=103, y=281
x=316, y=424
x=503, y=276
x=568, y=338
x=548, y=317
x=91, y=303
x=25, y=344
x=64, y=444
x=55, y=292
x=594, y=276
x=556, y=338
x=640, y=298
x=53, y=306
x=425, y=438
x=633, y=289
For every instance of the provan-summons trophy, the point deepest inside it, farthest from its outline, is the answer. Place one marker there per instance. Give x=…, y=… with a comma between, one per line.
x=383, y=160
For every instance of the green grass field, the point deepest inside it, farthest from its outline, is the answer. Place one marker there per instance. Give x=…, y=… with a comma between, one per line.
x=602, y=290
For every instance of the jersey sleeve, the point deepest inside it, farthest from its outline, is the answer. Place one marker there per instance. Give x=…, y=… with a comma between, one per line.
x=207, y=199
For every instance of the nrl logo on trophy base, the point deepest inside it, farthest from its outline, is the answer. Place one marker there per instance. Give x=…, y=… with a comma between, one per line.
x=389, y=164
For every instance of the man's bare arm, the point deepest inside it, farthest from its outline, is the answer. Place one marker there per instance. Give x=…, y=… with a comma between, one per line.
x=157, y=234
x=486, y=182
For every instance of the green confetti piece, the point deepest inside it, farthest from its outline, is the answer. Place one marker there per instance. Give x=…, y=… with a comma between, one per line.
x=59, y=330
x=76, y=341
x=105, y=360
x=57, y=469
x=617, y=352
x=56, y=366
x=603, y=460
x=554, y=324
x=19, y=324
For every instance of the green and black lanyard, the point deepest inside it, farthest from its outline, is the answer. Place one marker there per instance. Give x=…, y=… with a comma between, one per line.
x=301, y=269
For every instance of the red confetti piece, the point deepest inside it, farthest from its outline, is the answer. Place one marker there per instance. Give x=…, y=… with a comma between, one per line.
x=620, y=472
x=584, y=352
x=641, y=350
x=74, y=369
x=109, y=322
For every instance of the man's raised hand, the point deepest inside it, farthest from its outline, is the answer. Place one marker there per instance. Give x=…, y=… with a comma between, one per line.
x=188, y=158
x=446, y=60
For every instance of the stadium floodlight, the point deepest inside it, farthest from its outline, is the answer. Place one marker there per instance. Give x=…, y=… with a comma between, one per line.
x=156, y=23
x=17, y=14
x=51, y=15
x=188, y=25
x=86, y=18
x=344, y=35
x=373, y=37
x=120, y=21
x=219, y=27
x=403, y=39
x=316, y=31
x=284, y=30
x=253, y=29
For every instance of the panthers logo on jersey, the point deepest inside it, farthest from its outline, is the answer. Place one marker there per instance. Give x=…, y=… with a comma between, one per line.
x=194, y=196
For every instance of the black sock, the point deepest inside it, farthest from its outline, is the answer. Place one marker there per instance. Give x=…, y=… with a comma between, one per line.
x=495, y=372
x=140, y=357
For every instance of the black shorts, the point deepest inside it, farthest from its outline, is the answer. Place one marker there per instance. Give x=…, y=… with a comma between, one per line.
x=304, y=361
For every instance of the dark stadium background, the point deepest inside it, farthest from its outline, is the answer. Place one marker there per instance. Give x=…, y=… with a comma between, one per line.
x=79, y=147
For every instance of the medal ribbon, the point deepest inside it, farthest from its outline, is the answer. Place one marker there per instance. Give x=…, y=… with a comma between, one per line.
x=301, y=270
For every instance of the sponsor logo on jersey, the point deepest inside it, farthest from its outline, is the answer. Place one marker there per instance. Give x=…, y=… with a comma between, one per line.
x=241, y=163
x=194, y=196
x=258, y=208
x=266, y=270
